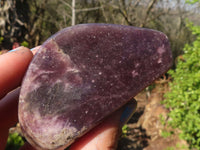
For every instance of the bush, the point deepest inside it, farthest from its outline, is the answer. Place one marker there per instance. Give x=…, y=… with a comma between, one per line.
x=184, y=97
x=14, y=142
x=25, y=44
x=125, y=129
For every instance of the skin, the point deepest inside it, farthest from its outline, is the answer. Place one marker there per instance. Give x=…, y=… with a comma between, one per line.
x=13, y=67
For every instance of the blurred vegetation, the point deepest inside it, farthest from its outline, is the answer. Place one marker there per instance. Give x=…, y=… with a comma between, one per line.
x=1, y=40
x=184, y=97
x=24, y=43
x=14, y=142
x=34, y=21
x=125, y=130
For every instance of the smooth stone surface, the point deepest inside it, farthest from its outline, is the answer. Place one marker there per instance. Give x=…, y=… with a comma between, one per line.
x=82, y=74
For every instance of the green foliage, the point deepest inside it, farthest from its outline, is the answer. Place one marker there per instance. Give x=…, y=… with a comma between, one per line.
x=162, y=119
x=14, y=142
x=195, y=29
x=184, y=98
x=151, y=87
x=181, y=146
x=25, y=44
x=192, y=1
x=124, y=130
x=1, y=39
x=166, y=134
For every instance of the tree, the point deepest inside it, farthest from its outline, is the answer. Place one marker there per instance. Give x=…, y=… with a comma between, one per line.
x=166, y=16
x=35, y=20
x=11, y=22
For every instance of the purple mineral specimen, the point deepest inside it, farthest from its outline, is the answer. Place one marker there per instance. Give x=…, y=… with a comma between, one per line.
x=82, y=74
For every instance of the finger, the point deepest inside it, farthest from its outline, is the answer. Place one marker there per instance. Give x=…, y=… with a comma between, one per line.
x=8, y=115
x=3, y=138
x=8, y=106
x=9, y=109
x=105, y=135
x=13, y=67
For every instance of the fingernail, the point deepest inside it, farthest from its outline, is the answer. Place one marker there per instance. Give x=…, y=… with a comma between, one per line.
x=32, y=48
x=129, y=110
x=16, y=49
x=35, y=49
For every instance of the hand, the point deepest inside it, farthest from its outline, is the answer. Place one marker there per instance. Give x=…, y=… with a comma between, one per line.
x=13, y=66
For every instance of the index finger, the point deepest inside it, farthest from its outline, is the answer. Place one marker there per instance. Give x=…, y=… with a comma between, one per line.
x=13, y=67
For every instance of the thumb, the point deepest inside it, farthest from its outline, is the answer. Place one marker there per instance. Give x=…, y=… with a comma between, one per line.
x=105, y=136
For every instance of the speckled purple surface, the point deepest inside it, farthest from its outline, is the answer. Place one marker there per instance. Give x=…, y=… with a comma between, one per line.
x=82, y=74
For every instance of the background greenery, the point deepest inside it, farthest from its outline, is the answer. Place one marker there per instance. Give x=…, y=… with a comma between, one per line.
x=14, y=142
x=184, y=98
x=33, y=21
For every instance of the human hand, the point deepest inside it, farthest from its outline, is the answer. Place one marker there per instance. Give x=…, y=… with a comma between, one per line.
x=13, y=66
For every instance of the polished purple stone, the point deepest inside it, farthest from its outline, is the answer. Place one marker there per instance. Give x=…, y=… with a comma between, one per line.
x=82, y=74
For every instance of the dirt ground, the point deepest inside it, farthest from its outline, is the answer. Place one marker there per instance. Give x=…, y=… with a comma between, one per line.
x=136, y=138
x=147, y=116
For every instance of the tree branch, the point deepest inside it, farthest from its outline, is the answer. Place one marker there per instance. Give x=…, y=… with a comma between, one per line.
x=66, y=4
x=88, y=9
x=149, y=8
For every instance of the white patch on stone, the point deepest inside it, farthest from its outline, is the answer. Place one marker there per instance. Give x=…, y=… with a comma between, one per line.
x=83, y=66
x=160, y=51
x=73, y=70
x=137, y=65
x=53, y=132
x=159, y=60
x=134, y=73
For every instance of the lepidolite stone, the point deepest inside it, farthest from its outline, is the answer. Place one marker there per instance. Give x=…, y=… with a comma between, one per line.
x=82, y=74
